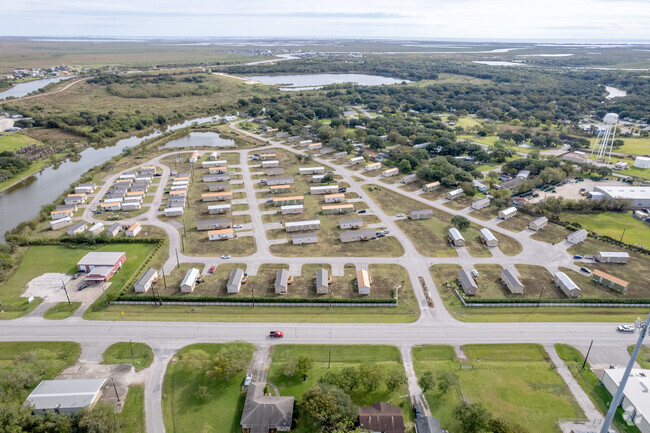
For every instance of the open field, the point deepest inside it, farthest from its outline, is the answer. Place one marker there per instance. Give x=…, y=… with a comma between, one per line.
x=513, y=381
x=613, y=224
x=552, y=233
x=121, y=353
x=342, y=356
x=460, y=203
x=62, y=310
x=132, y=417
x=16, y=141
x=184, y=412
x=631, y=146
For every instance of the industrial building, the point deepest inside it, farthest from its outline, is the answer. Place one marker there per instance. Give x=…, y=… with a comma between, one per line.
x=638, y=196
x=101, y=266
x=636, y=398
x=67, y=396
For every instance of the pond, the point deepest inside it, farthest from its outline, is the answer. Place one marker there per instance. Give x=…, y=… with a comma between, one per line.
x=316, y=81
x=498, y=63
x=613, y=92
x=24, y=89
x=199, y=139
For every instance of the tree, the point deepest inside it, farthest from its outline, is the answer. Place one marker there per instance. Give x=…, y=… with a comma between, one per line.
x=371, y=375
x=328, y=178
x=304, y=365
x=500, y=425
x=405, y=166
x=446, y=379
x=473, y=417
x=325, y=406
x=202, y=393
x=427, y=381
x=395, y=379
x=618, y=143
x=374, y=142
x=195, y=360
x=468, y=189
x=460, y=222
x=289, y=367
x=99, y=419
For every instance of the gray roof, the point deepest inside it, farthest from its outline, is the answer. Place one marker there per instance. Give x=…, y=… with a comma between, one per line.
x=427, y=424
x=282, y=278
x=322, y=278
x=422, y=212
x=148, y=276
x=113, y=227
x=487, y=235
x=614, y=254
x=566, y=281
x=353, y=221
x=65, y=394
x=208, y=224
x=260, y=412
x=66, y=207
x=357, y=234
x=509, y=184
x=540, y=220
x=236, y=276
x=304, y=235
x=466, y=280
x=77, y=226
x=98, y=258
x=510, y=278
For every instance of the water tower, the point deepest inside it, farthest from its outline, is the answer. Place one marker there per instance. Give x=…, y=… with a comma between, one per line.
x=605, y=139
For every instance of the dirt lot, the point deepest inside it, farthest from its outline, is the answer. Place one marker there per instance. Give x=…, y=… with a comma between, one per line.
x=572, y=190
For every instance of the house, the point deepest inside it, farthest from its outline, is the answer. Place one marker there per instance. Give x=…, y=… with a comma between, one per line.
x=523, y=174
x=189, y=281
x=304, y=143
x=216, y=177
x=216, y=196
x=612, y=257
x=409, y=178
x=75, y=198
x=577, y=236
x=113, y=200
x=194, y=156
x=390, y=172
x=363, y=282
x=428, y=424
x=325, y=189
x=266, y=414
x=456, y=238
x=58, y=214
x=304, y=238
x=214, y=155
x=235, y=280
x=70, y=207
x=85, y=188
x=219, y=163
x=133, y=231
x=538, y=223
x=128, y=176
x=424, y=214
x=566, y=284
x=317, y=178
x=287, y=180
x=96, y=228
x=297, y=226
x=213, y=224
x=114, y=229
x=293, y=139
x=381, y=417
x=453, y=195
x=508, y=213
x=110, y=206
x=272, y=163
x=60, y=223
x=67, y=396
x=78, y=228
x=132, y=205
x=510, y=184
x=337, y=208
x=291, y=209
x=429, y=187
x=479, y=186
x=173, y=211
x=279, y=189
x=267, y=156
x=467, y=282
x=222, y=234
x=148, y=169
x=357, y=235
x=295, y=199
x=356, y=160
x=373, y=166
x=481, y=204
x=352, y=223
x=512, y=282
x=281, y=281
x=218, y=170
x=218, y=209
x=314, y=146
x=176, y=202
x=488, y=238
x=610, y=281
x=274, y=171
x=145, y=281
x=311, y=170
x=322, y=282
x=101, y=266
x=178, y=193
x=218, y=186
x=636, y=398
x=339, y=155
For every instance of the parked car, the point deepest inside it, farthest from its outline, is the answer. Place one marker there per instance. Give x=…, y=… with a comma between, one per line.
x=400, y=215
x=75, y=276
x=248, y=380
x=586, y=270
x=83, y=286
x=212, y=268
x=276, y=334
x=380, y=235
x=577, y=256
x=225, y=256
x=270, y=200
x=625, y=328
x=361, y=211
x=474, y=273
x=416, y=410
x=158, y=174
x=237, y=226
x=342, y=189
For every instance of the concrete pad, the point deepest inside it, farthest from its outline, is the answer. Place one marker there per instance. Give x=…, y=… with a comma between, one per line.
x=295, y=269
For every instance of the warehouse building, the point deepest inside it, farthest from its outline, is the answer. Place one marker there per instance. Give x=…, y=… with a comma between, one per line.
x=67, y=396
x=638, y=196
x=101, y=266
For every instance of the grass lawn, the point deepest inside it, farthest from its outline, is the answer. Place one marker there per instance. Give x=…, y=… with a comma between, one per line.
x=517, y=223
x=341, y=356
x=613, y=224
x=183, y=412
x=631, y=146
x=644, y=356
x=16, y=141
x=62, y=310
x=513, y=381
x=460, y=203
x=591, y=385
x=120, y=353
x=487, y=280
x=132, y=417
x=552, y=233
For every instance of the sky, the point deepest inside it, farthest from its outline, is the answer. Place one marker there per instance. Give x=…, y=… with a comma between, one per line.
x=570, y=20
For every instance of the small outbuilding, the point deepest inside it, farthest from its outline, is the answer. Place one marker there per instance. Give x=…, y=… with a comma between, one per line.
x=145, y=281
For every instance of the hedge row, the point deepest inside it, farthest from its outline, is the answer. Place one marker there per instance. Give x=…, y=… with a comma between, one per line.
x=80, y=240
x=164, y=299
x=558, y=301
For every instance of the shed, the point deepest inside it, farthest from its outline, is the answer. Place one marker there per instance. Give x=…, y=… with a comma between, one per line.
x=363, y=282
x=281, y=281
x=456, y=238
x=566, y=284
x=65, y=396
x=189, y=282
x=322, y=282
x=507, y=213
x=512, y=282
x=613, y=257
x=467, y=282
x=577, y=236
x=538, y=223
x=234, y=282
x=488, y=238
x=145, y=281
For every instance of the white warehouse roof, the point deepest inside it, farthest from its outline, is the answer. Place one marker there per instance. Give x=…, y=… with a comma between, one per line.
x=625, y=192
x=65, y=394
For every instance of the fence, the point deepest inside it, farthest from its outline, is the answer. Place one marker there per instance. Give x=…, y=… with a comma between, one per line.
x=258, y=304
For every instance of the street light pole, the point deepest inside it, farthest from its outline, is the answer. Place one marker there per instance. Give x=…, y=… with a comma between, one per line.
x=621, y=387
x=66, y=292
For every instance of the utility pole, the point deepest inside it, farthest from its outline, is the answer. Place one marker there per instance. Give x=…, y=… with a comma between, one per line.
x=132, y=357
x=539, y=301
x=163, y=274
x=588, y=350
x=178, y=263
x=66, y=292
x=115, y=388
x=253, y=294
x=330, y=297
x=619, y=392
x=624, y=228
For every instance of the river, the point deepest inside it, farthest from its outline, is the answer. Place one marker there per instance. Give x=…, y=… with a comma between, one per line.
x=24, y=200
x=24, y=89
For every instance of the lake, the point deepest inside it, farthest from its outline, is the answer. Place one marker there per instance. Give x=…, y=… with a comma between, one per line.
x=24, y=89
x=316, y=81
x=199, y=139
x=498, y=63
x=24, y=200
x=613, y=92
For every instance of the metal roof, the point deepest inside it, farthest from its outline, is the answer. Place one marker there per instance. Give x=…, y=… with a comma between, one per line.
x=566, y=281
x=614, y=254
x=235, y=277
x=466, y=280
x=455, y=234
x=322, y=277
x=100, y=258
x=147, y=276
x=301, y=223
x=190, y=277
x=65, y=394
x=487, y=235
x=282, y=278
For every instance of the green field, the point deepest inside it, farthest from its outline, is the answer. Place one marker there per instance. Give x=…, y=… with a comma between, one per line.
x=631, y=146
x=16, y=141
x=132, y=417
x=613, y=224
x=62, y=310
x=341, y=356
x=516, y=382
x=184, y=412
x=120, y=353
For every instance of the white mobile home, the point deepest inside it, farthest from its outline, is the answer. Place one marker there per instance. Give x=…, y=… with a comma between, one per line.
x=311, y=170
x=60, y=223
x=481, y=204
x=429, y=187
x=291, y=209
x=421, y=214
x=356, y=160
x=352, y=223
x=96, y=228
x=270, y=164
x=456, y=238
x=77, y=228
x=218, y=209
x=235, y=280
x=577, y=236
x=132, y=205
x=325, y=189
x=189, y=282
x=566, y=284
x=297, y=226
x=373, y=166
x=304, y=238
x=612, y=257
x=488, y=238
x=133, y=231
x=538, y=223
x=508, y=213
x=173, y=211
x=390, y=172
x=145, y=282
x=453, y=195
x=512, y=282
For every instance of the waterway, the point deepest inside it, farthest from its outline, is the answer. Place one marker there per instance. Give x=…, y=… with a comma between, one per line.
x=24, y=200
x=613, y=92
x=199, y=139
x=315, y=81
x=498, y=63
x=24, y=89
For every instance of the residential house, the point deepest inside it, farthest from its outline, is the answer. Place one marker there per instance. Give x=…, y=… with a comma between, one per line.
x=75, y=198
x=311, y=170
x=291, y=209
x=218, y=186
x=488, y=238
x=266, y=414
x=356, y=160
x=337, y=208
x=178, y=193
x=479, y=186
x=566, y=284
x=610, y=281
x=235, y=280
x=363, y=282
x=538, y=223
x=131, y=205
x=194, y=156
x=613, y=257
x=381, y=417
x=339, y=155
x=304, y=143
x=322, y=282
x=352, y=223
x=84, y=188
x=189, y=282
x=421, y=214
x=216, y=196
x=456, y=238
x=77, y=228
x=357, y=235
x=279, y=189
x=304, y=238
x=58, y=214
x=467, y=282
x=287, y=180
x=282, y=201
x=271, y=163
x=214, y=155
x=373, y=166
x=430, y=187
x=409, y=178
x=60, y=223
x=274, y=171
x=325, y=189
x=511, y=281
x=481, y=203
x=213, y=224
x=110, y=206
x=133, y=231
x=296, y=226
x=281, y=282
x=222, y=234
x=577, y=236
x=145, y=282
x=508, y=213
x=453, y=195
x=173, y=211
